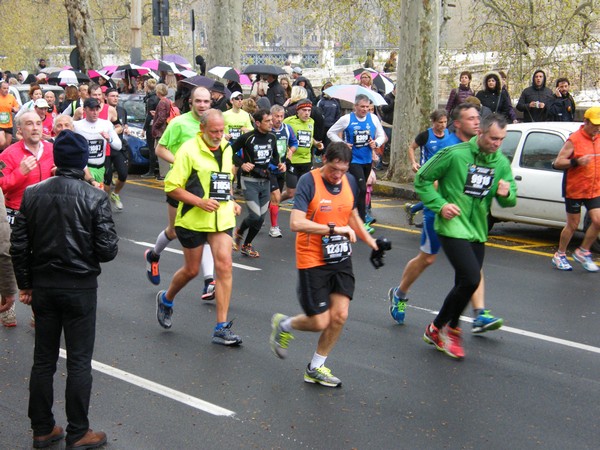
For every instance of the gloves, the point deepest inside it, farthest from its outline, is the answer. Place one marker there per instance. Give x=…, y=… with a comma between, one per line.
x=377, y=255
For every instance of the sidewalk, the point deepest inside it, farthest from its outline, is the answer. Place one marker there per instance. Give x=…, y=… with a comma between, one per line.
x=396, y=190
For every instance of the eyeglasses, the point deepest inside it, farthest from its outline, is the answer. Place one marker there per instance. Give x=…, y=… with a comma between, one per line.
x=239, y=98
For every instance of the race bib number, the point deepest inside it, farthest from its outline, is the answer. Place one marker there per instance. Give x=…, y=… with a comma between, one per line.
x=4, y=117
x=479, y=181
x=304, y=139
x=220, y=186
x=282, y=147
x=262, y=154
x=235, y=132
x=96, y=147
x=361, y=138
x=336, y=248
x=10, y=215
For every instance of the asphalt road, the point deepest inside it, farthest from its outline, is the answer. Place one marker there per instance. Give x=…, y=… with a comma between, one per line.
x=533, y=384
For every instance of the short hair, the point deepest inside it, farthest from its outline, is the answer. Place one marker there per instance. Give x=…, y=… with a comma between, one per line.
x=338, y=151
x=562, y=80
x=193, y=91
x=33, y=88
x=259, y=115
x=490, y=120
x=71, y=93
x=26, y=113
x=277, y=109
x=249, y=105
x=438, y=114
x=207, y=115
x=162, y=89
x=298, y=93
x=110, y=91
x=150, y=83
x=460, y=108
x=361, y=97
x=93, y=87
x=60, y=117
x=467, y=73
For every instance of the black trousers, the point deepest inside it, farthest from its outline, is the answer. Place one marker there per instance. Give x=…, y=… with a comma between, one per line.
x=466, y=259
x=361, y=172
x=74, y=311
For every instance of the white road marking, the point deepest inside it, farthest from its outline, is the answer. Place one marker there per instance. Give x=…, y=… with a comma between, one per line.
x=158, y=389
x=179, y=252
x=541, y=337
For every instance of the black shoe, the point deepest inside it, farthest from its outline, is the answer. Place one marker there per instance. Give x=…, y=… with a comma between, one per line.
x=159, y=178
x=147, y=175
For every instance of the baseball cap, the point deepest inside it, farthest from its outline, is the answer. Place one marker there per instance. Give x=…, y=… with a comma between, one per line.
x=593, y=115
x=91, y=103
x=297, y=70
x=236, y=94
x=41, y=103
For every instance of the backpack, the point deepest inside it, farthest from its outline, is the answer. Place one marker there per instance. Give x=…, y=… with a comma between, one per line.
x=173, y=112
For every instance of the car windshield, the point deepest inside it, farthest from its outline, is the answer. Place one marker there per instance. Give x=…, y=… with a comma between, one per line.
x=136, y=109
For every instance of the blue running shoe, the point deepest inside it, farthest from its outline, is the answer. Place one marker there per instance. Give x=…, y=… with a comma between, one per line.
x=397, y=306
x=561, y=262
x=163, y=312
x=224, y=336
x=152, y=270
x=486, y=322
x=585, y=259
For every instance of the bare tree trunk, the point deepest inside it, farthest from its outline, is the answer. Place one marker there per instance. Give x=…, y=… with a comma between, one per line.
x=79, y=14
x=416, y=91
x=224, y=33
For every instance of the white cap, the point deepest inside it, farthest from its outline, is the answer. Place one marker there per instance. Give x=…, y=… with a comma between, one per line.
x=235, y=94
x=41, y=103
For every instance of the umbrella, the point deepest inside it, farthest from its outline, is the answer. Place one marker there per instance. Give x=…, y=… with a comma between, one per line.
x=65, y=77
x=49, y=70
x=163, y=66
x=177, y=60
x=357, y=72
x=203, y=81
x=349, y=92
x=381, y=81
x=97, y=74
x=229, y=73
x=266, y=69
x=107, y=70
x=129, y=70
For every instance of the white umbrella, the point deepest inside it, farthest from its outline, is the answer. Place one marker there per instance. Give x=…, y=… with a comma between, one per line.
x=349, y=92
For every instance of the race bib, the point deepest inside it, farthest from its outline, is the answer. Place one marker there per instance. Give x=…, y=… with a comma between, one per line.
x=10, y=215
x=220, y=186
x=262, y=154
x=336, y=248
x=479, y=181
x=235, y=132
x=4, y=117
x=304, y=139
x=361, y=138
x=282, y=147
x=96, y=147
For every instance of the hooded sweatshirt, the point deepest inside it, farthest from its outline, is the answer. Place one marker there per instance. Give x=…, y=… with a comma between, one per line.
x=534, y=93
x=495, y=99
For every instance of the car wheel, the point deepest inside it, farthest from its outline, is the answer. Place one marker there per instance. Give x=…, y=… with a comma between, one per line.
x=586, y=224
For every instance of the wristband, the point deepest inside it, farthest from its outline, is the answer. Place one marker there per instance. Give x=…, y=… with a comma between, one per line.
x=574, y=162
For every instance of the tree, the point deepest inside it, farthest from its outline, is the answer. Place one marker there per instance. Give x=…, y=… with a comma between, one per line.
x=85, y=36
x=224, y=33
x=416, y=92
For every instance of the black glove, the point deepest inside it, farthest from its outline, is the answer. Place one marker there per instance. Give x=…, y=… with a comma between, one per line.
x=377, y=255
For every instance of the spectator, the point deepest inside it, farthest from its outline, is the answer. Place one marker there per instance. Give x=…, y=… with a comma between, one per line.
x=390, y=64
x=535, y=99
x=562, y=107
x=512, y=114
x=492, y=95
x=369, y=63
x=286, y=85
x=331, y=109
x=459, y=94
x=151, y=100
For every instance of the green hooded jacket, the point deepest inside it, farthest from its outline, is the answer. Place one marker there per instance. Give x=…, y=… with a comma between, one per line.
x=451, y=168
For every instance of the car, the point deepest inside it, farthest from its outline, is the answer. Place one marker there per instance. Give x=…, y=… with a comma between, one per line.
x=136, y=138
x=23, y=91
x=531, y=148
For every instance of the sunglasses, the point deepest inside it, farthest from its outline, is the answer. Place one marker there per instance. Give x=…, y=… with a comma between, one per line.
x=238, y=98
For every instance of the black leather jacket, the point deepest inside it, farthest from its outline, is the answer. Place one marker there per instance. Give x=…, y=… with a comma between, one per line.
x=63, y=231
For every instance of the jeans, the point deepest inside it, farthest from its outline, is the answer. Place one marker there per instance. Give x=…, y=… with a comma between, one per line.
x=74, y=311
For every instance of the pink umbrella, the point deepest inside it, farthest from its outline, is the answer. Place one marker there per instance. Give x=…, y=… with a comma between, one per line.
x=177, y=60
x=108, y=69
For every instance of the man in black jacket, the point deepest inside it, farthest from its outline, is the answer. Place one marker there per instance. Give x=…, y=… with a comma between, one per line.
x=535, y=99
x=63, y=232
x=275, y=93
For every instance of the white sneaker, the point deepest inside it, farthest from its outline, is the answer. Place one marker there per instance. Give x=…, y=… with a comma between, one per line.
x=585, y=259
x=116, y=200
x=275, y=232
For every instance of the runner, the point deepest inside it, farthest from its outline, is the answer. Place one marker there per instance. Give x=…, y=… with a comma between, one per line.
x=286, y=142
x=259, y=152
x=118, y=158
x=8, y=106
x=327, y=222
x=181, y=129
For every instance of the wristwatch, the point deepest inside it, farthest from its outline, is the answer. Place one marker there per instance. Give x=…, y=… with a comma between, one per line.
x=331, y=226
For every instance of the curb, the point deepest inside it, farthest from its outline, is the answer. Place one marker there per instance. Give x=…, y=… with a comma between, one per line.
x=396, y=190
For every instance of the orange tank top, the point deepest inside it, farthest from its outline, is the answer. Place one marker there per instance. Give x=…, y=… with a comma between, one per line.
x=324, y=208
x=583, y=182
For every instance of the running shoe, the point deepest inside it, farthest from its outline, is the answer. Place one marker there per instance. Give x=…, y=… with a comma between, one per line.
x=486, y=322
x=560, y=262
x=9, y=318
x=370, y=219
x=419, y=225
x=152, y=270
x=397, y=306
x=209, y=291
x=275, y=232
x=116, y=199
x=279, y=338
x=321, y=375
x=369, y=228
x=585, y=259
x=163, y=312
x=433, y=336
x=224, y=336
x=247, y=250
x=410, y=216
x=453, y=345
x=237, y=240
